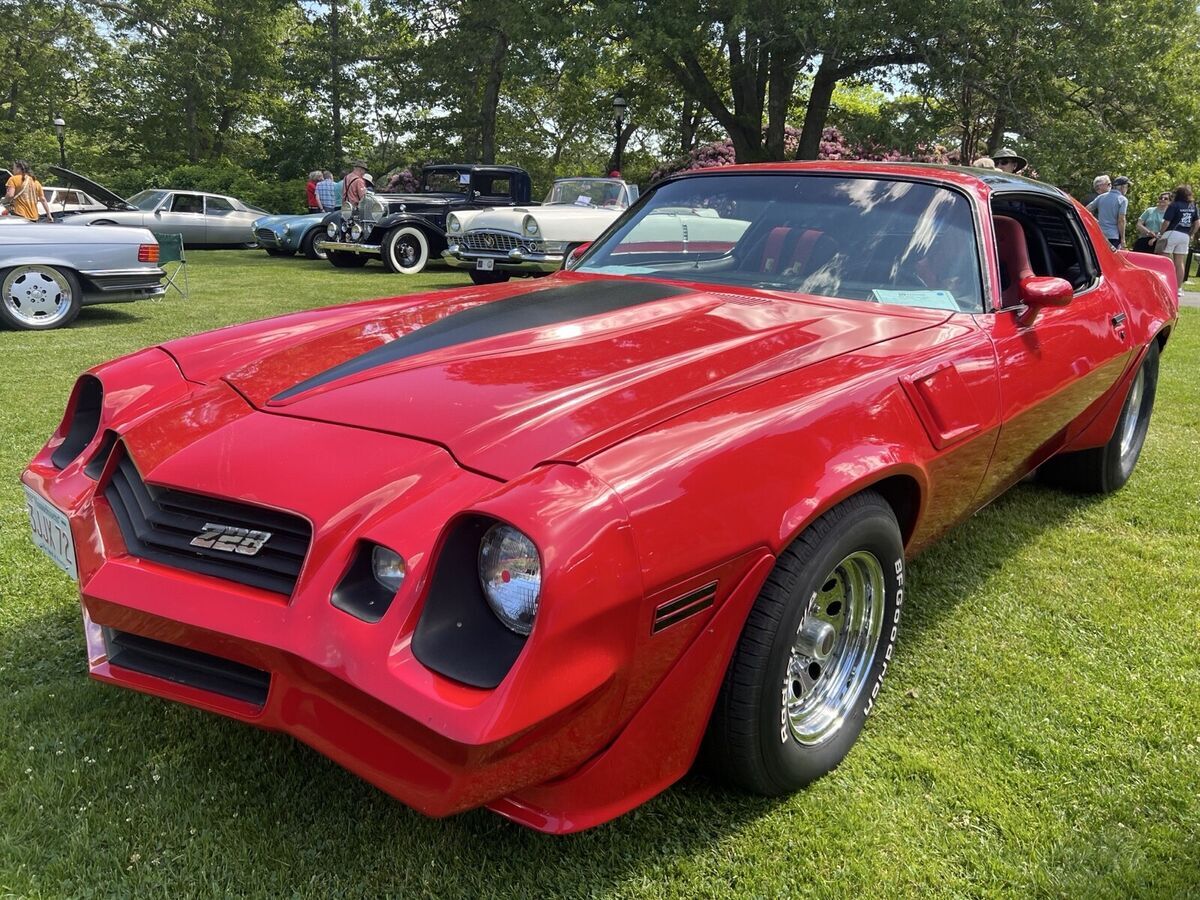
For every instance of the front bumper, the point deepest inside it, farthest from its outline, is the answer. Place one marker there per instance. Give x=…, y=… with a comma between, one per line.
x=517, y=260
x=347, y=246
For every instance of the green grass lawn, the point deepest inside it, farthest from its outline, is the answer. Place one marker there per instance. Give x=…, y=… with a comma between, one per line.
x=1039, y=733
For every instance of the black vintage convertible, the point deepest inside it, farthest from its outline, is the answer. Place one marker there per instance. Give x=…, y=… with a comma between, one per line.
x=406, y=231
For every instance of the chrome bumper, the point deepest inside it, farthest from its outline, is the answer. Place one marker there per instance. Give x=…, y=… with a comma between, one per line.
x=348, y=247
x=505, y=261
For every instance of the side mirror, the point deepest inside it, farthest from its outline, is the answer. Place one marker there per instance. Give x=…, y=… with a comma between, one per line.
x=1041, y=291
x=576, y=254
x=158, y=212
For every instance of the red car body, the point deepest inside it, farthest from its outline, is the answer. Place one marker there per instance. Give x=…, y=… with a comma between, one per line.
x=657, y=454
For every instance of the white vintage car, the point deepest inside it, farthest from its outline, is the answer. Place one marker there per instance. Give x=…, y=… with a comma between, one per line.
x=531, y=240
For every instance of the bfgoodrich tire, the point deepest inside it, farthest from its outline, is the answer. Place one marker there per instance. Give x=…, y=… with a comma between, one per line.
x=405, y=250
x=813, y=652
x=1102, y=470
x=342, y=259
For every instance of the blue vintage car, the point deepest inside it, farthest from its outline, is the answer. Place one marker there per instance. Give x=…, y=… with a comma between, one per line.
x=288, y=235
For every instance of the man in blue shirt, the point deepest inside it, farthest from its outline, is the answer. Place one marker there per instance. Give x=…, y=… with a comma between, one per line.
x=327, y=191
x=1110, y=207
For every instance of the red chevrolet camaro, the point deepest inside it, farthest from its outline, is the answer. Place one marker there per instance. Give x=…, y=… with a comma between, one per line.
x=536, y=546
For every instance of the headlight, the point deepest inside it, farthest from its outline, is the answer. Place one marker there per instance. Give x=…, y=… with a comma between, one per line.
x=287, y=228
x=356, y=231
x=347, y=209
x=453, y=224
x=371, y=209
x=510, y=570
x=331, y=229
x=531, y=226
x=388, y=568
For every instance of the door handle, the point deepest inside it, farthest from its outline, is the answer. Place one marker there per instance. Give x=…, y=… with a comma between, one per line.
x=1118, y=320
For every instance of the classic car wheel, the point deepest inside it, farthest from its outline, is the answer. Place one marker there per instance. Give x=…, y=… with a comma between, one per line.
x=489, y=277
x=405, y=250
x=271, y=251
x=38, y=298
x=1105, y=469
x=309, y=247
x=813, y=652
x=343, y=259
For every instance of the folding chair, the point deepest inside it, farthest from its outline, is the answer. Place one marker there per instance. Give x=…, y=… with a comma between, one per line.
x=170, y=249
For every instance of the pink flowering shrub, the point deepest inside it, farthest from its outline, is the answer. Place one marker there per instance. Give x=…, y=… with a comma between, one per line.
x=833, y=146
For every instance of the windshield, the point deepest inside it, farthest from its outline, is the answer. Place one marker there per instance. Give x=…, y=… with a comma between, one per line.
x=853, y=238
x=147, y=199
x=443, y=182
x=598, y=192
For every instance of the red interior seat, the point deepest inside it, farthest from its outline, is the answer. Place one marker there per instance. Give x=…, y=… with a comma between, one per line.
x=1014, y=258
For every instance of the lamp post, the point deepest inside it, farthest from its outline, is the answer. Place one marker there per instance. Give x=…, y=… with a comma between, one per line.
x=620, y=108
x=60, y=129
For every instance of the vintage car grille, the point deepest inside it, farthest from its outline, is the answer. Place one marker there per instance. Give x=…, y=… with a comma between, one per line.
x=266, y=236
x=159, y=524
x=499, y=242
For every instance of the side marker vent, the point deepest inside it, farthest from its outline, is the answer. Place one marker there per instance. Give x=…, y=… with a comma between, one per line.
x=674, y=611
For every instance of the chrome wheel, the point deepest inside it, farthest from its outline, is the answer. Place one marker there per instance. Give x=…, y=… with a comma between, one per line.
x=834, y=648
x=37, y=296
x=1132, y=414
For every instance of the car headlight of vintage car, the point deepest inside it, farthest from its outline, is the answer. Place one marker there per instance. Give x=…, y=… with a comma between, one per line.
x=356, y=230
x=510, y=570
x=331, y=229
x=453, y=225
x=347, y=209
x=371, y=209
x=287, y=227
x=388, y=568
x=530, y=226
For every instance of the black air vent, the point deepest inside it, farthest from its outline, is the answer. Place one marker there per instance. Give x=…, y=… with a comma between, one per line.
x=674, y=611
x=185, y=666
x=159, y=524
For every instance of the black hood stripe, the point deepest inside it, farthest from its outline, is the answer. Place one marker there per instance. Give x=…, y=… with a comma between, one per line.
x=535, y=309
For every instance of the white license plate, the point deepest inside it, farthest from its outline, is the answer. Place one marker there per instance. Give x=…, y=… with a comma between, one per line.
x=484, y=265
x=51, y=532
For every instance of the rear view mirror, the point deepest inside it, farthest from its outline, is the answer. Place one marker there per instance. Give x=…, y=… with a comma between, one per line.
x=576, y=254
x=1044, y=290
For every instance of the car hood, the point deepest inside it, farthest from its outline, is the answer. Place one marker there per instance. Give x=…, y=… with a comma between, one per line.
x=510, y=376
x=101, y=193
x=510, y=217
x=276, y=223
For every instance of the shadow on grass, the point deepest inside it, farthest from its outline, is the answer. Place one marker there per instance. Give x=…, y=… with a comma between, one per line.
x=92, y=316
x=267, y=802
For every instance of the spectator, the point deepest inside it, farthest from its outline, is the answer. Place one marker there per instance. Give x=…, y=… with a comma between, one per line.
x=1148, y=224
x=370, y=180
x=310, y=191
x=23, y=193
x=354, y=186
x=984, y=162
x=1178, y=227
x=1110, y=207
x=326, y=191
x=1009, y=160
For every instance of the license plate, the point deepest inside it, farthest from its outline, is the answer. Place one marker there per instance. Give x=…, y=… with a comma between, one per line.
x=51, y=532
x=484, y=265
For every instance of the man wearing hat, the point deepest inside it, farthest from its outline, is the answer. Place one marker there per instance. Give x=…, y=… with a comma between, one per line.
x=356, y=185
x=1009, y=160
x=1110, y=206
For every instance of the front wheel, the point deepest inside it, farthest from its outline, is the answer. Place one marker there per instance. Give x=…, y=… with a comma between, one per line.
x=1102, y=470
x=38, y=298
x=309, y=247
x=342, y=259
x=405, y=250
x=813, y=652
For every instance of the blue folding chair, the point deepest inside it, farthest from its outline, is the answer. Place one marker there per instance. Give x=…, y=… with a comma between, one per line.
x=170, y=250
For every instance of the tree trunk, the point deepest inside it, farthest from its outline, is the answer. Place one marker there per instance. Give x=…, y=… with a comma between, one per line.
x=689, y=125
x=335, y=91
x=817, y=112
x=491, y=99
x=779, y=86
x=622, y=141
x=996, y=138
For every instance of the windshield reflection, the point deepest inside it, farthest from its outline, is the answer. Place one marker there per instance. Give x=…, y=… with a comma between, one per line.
x=147, y=199
x=857, y=238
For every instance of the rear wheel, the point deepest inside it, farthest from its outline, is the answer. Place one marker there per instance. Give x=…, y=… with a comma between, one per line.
x=1102, y=470
x=343, y=259
x=813, y=652
x=309, y=247
x=493, y=277
x=38, y=298
x=405, y=250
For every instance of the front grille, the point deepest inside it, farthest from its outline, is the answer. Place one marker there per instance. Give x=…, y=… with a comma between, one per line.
x=183, y=665
x=159, y=524
x=266, y=236
x=499, y=241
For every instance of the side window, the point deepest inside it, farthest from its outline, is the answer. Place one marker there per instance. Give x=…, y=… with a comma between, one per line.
x=1044, y=237
x=187, y=203
x=217, y=206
